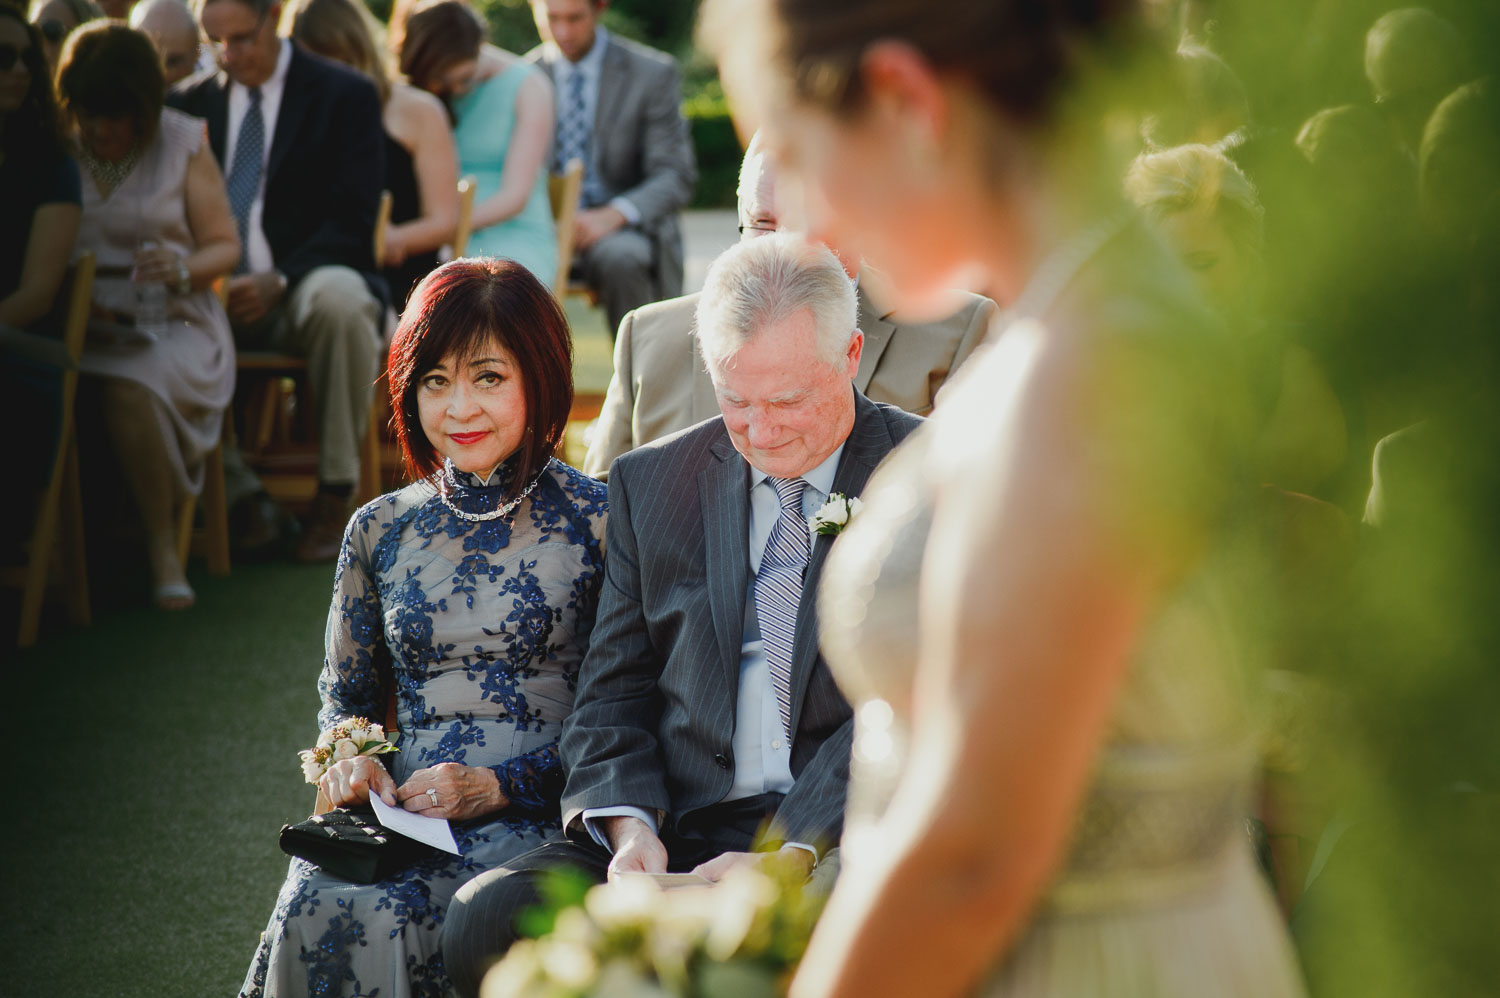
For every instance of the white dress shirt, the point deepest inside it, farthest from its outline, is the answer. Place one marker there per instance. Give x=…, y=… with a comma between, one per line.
x=762, y=754
x=591, y=68
x=258, y=251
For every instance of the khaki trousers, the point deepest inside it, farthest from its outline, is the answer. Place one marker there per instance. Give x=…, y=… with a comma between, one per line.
x=330, y=319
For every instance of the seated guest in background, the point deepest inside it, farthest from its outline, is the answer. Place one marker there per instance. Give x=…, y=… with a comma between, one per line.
x=39, y=212
x=1210, y=214
x=171, y=27
x=619, y=110
x=56, y=19
x=660, y=386
x=502, y=108
x=705, y=713
x=421, y=168
x=481, y=381
x=154, y=211
x=303, y=152
x=38, y=222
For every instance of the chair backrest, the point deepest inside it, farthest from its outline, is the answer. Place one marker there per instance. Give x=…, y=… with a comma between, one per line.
x=382, y=223
x=460, y=242
x=563, y=192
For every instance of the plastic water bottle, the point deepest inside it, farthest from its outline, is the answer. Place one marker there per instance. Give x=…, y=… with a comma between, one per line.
x=151, y=303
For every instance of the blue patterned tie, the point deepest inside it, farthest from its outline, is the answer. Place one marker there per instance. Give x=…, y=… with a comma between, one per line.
x=573, y=129
x=778, y=590
x=244, y=173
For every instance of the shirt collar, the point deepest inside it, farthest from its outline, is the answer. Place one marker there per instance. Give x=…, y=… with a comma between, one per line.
x=820, y=478
x=591, y=63
x=277, y=80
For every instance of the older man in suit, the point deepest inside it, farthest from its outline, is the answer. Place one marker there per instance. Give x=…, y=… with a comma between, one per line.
x=660, y=386
x=619, y=110
x=300, y=142
x=706, y=723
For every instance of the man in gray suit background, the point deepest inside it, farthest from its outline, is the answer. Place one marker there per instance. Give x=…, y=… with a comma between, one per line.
x=706, y=722
x=660, y=385
x=619, y=109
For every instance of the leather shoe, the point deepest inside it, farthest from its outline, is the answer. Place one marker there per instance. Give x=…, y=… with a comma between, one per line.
x=260, y=529
x=323, y=531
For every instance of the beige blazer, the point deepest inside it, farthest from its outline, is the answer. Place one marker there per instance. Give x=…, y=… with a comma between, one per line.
x=660, y=385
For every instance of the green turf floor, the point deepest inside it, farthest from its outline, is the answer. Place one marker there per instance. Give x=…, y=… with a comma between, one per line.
x=153, y=761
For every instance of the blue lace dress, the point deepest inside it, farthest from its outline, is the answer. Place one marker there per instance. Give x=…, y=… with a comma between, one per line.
x=479, y=627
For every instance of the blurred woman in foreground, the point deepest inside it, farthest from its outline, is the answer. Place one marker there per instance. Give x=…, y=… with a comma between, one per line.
x=1053, y=753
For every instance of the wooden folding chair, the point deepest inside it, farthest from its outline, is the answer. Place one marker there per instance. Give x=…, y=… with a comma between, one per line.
x=562, y=191
x=466, y=188
x=59, y=518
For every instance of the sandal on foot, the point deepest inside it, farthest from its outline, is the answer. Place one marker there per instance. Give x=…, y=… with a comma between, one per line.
x=173, y=596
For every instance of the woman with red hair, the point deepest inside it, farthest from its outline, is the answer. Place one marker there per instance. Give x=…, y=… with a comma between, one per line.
x=468, y=596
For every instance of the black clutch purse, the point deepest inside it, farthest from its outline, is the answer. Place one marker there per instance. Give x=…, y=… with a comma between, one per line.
x=350, y=844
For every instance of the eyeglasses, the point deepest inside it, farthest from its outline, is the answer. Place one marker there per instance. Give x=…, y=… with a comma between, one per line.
x=9, y=56
x=52, y=29
x=242, y=40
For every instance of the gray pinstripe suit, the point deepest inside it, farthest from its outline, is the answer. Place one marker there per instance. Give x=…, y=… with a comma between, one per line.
x=655, y=710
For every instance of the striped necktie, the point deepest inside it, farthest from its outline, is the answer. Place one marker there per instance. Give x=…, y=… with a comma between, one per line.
x=244, y=173
x=778, y=590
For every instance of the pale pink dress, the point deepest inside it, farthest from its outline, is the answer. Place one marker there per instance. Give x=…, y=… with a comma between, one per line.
x=191, y=369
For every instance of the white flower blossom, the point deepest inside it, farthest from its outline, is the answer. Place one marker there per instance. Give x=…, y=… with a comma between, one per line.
x=345, y=749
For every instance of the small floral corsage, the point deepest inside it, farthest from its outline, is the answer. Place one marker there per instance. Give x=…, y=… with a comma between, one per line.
x=344, y=740
x=837, y=513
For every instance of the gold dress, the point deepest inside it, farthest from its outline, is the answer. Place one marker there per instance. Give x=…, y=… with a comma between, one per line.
x=1159, y=896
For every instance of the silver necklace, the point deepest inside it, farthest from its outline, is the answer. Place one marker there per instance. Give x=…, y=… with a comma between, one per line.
x=109, y=174
x=439, y=484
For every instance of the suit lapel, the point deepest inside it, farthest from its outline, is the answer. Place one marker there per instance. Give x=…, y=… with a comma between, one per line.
x=614, y=78
x=289, y=116
x=878, y=332
x=869, y=442
x=725, y=506
x=216, y=111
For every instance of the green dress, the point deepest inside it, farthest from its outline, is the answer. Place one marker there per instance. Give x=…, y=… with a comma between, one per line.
x=486, y=120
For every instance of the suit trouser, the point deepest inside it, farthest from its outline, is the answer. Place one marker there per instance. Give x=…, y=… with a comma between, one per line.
x=331, y=319
x=621, y=267
x=481, y=921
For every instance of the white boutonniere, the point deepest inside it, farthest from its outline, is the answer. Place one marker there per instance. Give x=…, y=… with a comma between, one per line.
x=837, y=513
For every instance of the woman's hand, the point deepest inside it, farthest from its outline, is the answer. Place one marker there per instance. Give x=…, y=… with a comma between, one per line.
x=351, y=781
x=158, y=264
x=458, y=792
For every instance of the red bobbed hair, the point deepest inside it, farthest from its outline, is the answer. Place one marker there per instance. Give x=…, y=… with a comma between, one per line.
x=458, y=310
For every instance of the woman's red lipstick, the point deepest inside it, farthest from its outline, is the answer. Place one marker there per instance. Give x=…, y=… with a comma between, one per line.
x=464, y=439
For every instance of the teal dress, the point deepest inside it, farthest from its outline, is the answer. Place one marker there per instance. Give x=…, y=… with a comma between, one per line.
x=486, y=119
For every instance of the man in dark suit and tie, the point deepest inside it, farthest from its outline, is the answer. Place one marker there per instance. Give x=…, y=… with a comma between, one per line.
x=619, y=110
x=300, y=142
x=706, y=723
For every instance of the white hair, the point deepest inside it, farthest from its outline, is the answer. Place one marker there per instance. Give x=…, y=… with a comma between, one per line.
x=763, y=281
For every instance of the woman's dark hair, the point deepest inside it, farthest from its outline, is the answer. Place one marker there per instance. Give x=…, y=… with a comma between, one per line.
x=1018, y=53
x=33, y=129
x=111, y=70
x=457, y=310
x=436, y=35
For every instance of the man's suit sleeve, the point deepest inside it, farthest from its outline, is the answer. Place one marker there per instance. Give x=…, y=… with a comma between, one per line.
x=608, y=743
x=614, y=434
x=355, y=174
x=669, y=169
x=813, y=810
